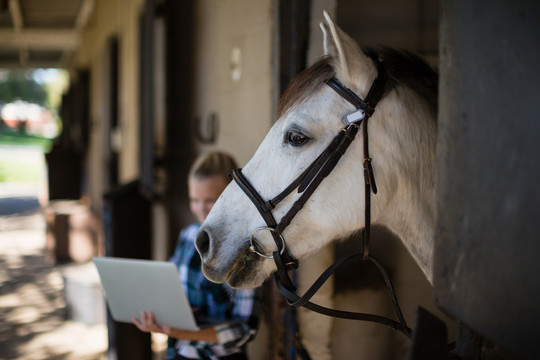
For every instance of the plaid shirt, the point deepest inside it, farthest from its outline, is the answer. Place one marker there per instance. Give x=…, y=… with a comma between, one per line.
x=238, y=309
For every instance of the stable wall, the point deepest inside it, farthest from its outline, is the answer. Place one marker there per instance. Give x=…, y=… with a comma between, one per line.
x=487, y=244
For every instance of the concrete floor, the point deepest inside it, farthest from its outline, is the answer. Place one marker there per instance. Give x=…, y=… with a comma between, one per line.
x=34, y=317
x=33, y=310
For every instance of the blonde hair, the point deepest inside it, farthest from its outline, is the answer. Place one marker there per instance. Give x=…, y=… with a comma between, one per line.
x=214, y=163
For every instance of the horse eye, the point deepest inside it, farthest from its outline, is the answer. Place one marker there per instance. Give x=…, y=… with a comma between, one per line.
x=296, y=138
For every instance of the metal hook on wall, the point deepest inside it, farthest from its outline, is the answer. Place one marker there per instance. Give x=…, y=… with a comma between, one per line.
x=207, y=131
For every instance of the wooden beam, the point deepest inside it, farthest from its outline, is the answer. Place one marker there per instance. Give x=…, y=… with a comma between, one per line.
x=16, y=15
x=83, y=16
x=18, y=24
x=32, y=64
x=40, y=39
x=24, y=39
x=24, y=55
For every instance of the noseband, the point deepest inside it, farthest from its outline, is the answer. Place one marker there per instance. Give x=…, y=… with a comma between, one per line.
x=306, y=183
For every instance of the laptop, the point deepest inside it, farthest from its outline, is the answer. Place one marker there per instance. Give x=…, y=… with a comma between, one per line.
x=133, y=285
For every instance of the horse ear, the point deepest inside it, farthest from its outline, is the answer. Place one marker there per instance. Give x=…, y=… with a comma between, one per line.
x=343, y=49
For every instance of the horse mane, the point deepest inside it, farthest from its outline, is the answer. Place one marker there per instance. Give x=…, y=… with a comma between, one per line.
x=410, y=70
x=402, y=68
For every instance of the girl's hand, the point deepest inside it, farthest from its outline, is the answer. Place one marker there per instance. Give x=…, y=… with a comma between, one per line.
x=148, y=323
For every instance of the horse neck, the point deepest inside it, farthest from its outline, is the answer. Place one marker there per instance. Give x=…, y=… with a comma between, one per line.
x=408, y=175
x=414, y=222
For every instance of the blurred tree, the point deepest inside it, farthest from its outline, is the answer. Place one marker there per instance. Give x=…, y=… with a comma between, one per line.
x=19, y=85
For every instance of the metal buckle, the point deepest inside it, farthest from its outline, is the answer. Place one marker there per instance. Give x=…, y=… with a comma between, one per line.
x=353, y=117
x=253, y=249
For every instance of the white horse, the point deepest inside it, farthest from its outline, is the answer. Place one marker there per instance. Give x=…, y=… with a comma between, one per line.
x=402, y=140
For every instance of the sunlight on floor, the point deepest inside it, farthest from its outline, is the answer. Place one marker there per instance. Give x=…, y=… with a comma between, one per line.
x=41, y=316
x=71, y=340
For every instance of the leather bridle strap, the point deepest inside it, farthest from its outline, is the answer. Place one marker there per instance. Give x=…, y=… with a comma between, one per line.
x=307, y=182
x=319, y=170
x=376, y=92
x=265, y=209
x=295, y=300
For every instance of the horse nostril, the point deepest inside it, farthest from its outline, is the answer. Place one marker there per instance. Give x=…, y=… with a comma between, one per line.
x=202, y=242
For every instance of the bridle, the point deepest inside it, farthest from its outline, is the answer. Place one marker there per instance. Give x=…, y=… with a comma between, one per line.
x=306, y=183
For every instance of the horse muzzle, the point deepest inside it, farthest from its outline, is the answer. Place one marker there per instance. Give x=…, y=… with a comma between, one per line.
x=240, y=269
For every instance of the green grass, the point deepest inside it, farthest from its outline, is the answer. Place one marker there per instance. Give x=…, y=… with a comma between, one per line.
x=26, y=170
x=12, y=171
x=13, y=138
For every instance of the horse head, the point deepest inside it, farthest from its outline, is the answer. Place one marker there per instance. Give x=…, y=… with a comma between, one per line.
x=402, y=138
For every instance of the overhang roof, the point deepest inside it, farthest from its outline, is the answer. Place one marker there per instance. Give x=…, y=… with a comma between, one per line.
x=41, y=33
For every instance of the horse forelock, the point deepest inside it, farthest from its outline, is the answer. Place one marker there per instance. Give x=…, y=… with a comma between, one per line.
x=305, y=84
x=402, y=68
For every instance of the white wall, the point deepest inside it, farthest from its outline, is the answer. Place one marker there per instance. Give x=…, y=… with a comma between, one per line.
x=244, y=106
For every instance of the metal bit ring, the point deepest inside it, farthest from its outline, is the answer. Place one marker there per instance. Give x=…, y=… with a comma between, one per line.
x=252, y=242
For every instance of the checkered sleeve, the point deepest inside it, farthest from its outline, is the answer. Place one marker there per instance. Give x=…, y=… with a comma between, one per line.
x=245, y=316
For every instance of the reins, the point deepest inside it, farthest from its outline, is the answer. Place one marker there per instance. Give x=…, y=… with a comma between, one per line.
x=306, y=183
